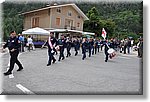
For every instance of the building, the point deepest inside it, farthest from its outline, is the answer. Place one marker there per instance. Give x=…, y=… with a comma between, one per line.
x=61, y=19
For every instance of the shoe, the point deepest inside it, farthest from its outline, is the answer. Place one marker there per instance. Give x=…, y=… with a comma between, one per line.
x=7, y=73
x=20, y=69
x=105, y=60
x=54, y=61
x=76, y=54
x=48, y=64
x=59, y=60
x=67, y=56
x=63, y=58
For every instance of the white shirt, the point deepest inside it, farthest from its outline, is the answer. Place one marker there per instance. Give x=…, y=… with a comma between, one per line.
x=30, y=41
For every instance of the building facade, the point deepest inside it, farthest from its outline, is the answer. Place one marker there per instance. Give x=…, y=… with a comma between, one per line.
x=67, y=16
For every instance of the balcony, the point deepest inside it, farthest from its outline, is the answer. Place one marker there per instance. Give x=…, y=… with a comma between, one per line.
x=69, y=27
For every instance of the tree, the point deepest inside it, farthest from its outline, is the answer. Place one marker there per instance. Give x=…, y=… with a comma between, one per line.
x=95, y=23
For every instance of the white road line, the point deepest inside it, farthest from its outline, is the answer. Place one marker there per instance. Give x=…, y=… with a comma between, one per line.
x=25, y=90
x=11, y=76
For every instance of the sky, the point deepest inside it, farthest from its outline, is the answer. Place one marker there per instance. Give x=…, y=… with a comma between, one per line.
x=1, y=1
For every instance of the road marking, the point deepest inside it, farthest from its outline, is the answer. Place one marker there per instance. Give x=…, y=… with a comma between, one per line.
x=11, y=76
x=25, y=90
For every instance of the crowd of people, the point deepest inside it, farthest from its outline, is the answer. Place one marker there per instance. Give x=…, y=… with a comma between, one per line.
x=88, y=46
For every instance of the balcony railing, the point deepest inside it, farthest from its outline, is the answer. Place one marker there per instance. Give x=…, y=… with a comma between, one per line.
x=70, y=27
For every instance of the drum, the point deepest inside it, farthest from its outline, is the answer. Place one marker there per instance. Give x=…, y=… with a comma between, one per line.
x=111, y=50
x=57, y=48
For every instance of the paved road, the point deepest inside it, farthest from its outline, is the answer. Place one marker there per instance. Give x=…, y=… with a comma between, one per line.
x=121, y=75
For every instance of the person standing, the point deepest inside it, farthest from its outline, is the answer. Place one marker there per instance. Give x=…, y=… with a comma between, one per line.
x=128, y=45
x=121, y=46
x=61, y=44
x=125, y=46
x=140, y=48
x=13, y=45
x=22, y=40
x=30, y=43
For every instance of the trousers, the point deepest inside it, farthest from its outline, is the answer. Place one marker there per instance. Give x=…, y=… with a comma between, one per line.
x=13, y=60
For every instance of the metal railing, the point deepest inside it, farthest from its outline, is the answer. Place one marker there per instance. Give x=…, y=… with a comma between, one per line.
x=69, y=27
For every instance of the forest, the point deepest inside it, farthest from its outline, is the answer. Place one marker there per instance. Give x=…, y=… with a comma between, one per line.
x=119, y=19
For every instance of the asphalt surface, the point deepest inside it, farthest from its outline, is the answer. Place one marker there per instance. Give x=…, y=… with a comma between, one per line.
x=120, y=75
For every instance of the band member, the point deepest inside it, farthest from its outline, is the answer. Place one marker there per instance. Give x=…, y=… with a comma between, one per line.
x=76, y=44
x=61, y=44
x=90, y=46
x=13, y=45
x=96, y=45
x=106, y=45
x=84, y=45
x=68, y=42
x=51, y=43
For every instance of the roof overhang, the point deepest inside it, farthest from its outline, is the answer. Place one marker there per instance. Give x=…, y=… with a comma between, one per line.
x=73, y=31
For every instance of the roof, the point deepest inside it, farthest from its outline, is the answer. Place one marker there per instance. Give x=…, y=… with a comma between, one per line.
x=73, y=5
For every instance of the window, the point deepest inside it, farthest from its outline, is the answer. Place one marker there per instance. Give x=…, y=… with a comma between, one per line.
x=59, y=10
x=78, y=24
x=57, y=21
x=68, y=22
x=35, y=22
x=79, y=17
x=69, y=13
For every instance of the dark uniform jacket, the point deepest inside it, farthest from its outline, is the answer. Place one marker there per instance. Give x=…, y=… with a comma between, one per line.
x=62, y=42
x=12, y=43
x=107, y=45
x=84, y=46
x=53, y=41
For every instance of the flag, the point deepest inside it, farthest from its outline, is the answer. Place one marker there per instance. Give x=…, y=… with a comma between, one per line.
x=104, y=33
